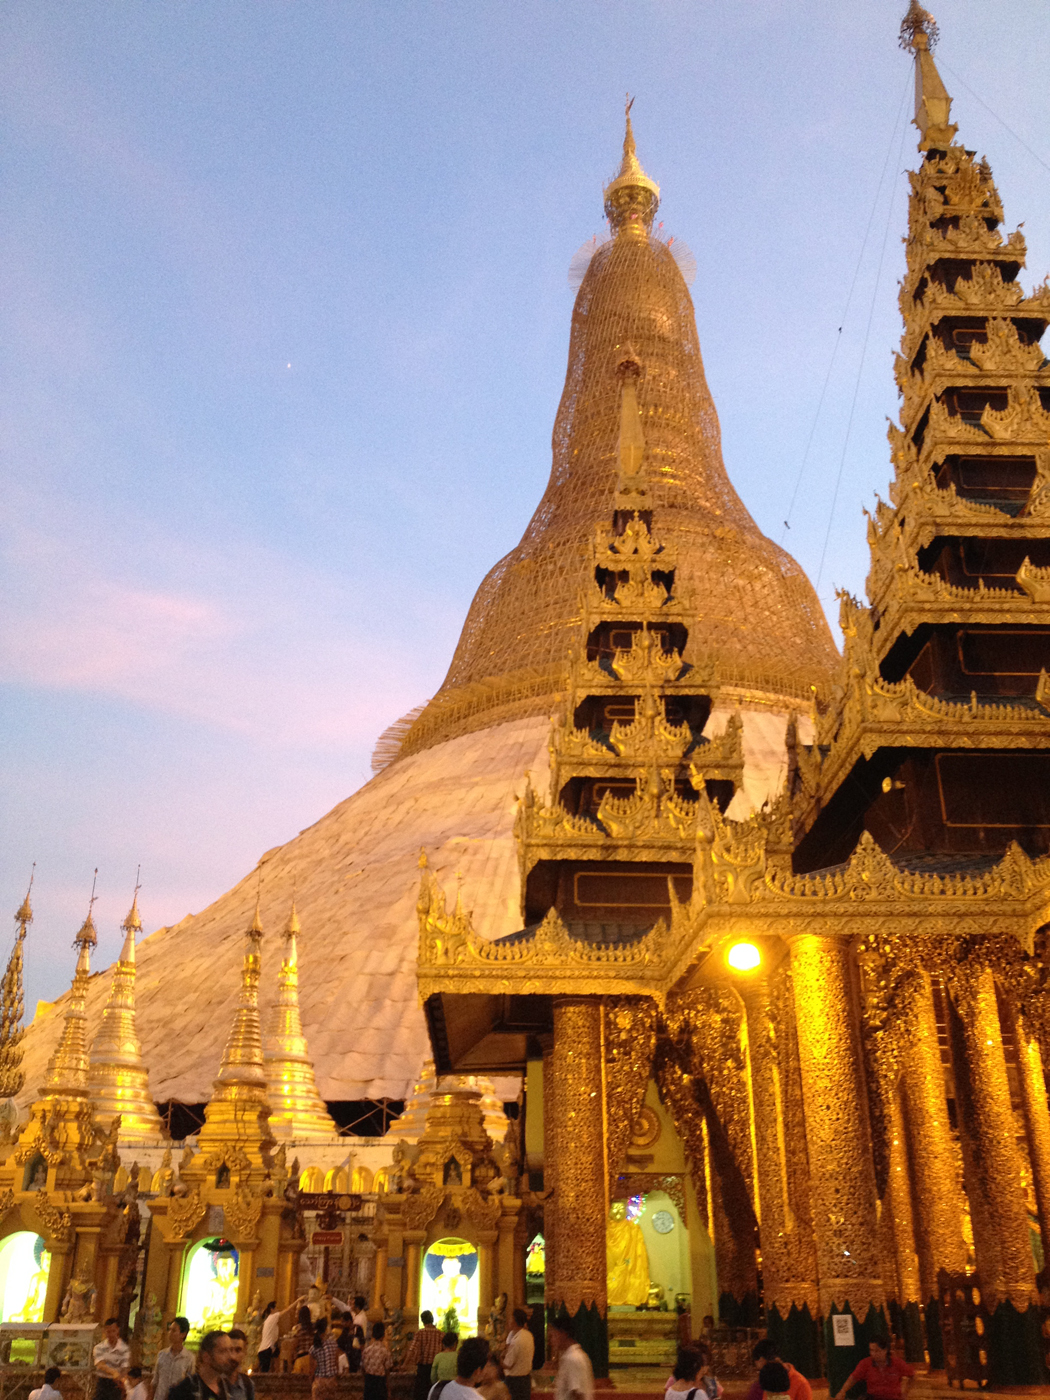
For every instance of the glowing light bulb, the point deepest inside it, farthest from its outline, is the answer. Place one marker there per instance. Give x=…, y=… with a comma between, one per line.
x=743, y=957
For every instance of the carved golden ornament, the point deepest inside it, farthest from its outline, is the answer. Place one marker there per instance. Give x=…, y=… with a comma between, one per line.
x=242, y=1215
x=7, y=1201
x=645, y=1129
x=185, y=1213
x=482, y=1211
x=419, y=1209
x=233, y=1156
x=629, y=1035
x=57, y=1222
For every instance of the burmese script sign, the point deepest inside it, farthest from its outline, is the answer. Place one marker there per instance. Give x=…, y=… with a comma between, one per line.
x=329, y=1200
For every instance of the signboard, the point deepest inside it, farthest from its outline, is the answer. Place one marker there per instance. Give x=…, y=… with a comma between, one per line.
x=329, y=1200
x=842, y=1329
x=332, y=1237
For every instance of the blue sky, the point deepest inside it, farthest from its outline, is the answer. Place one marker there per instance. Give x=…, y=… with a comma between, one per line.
x=284, y=325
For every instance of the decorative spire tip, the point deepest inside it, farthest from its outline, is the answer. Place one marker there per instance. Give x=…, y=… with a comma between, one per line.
x=918, y=21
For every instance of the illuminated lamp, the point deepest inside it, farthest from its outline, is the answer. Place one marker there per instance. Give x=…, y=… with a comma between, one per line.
x=743, y=957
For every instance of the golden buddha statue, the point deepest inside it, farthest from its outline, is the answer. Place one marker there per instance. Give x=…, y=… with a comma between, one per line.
x=627, y=1259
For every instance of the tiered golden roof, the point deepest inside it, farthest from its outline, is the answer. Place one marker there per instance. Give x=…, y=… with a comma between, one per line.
x=510, y=660
x=118, y=1081
x=296, y=1107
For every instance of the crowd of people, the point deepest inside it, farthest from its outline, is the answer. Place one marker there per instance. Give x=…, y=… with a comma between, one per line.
x=444, y=1368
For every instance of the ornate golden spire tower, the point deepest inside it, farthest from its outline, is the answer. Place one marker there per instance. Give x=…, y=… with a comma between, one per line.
x=12, y=1005
x=297, y=1109
x=67, y=1069
x=239, y=1111
x=118, y=1081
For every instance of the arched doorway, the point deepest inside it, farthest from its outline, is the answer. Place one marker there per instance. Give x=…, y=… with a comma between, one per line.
x=209, y=1286
x=449, y=1286
x=24, y=1266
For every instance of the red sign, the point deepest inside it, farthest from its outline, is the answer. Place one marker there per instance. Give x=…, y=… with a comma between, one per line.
x=328, y=1237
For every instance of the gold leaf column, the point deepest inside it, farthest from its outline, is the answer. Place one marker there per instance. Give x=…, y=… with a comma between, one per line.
x=842, y=1175
x=937, y=1203
x=784, y=1255
x=1037, y=1121
x=580, y=1282
x=999, y=1161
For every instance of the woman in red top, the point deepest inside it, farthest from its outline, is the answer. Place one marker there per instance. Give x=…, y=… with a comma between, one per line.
x=885, y=1376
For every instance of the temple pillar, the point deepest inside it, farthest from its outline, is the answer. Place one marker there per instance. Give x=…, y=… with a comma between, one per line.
x=1037, y=1122
x=61, y=1260
x=901, y=1220
x=245, y=1278
x=506, y=1282
x=379, y=1281
x=176, y=1251
x=937, y=1204
x=994, y=1131
x=580, y=1282
x=790, y=1292
x=521, y=1241
x=288, y=1251
x=108, y=1291
x=486, y=1291
x=995, y=1162
x=550, y=1174
x=413, y=1243
x=842, y=1175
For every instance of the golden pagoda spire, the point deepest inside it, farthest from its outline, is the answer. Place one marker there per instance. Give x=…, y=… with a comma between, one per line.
x=238, y=1113
x=67, y=1069
x=117, y=1079
x=632, y=198
x=12, y=1005
x=297, y=1109
x=241, y=1073
x=933, y=106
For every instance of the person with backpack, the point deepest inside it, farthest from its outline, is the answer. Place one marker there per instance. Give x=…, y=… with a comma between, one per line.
x=691, y=1377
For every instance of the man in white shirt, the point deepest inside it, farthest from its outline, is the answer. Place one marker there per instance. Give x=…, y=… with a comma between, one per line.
x=47, y=1391
x=112, y=1355
x=575, y=1379
x=359, y=1315
x=175, y=1362
x=518, y=1355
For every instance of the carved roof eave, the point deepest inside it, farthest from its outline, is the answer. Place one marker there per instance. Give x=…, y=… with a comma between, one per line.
x=970, y=244
x=928, y=510
x=736, y=890
x=969, y=726
x=975, y=608
x=1007, y=300
x=920, y=390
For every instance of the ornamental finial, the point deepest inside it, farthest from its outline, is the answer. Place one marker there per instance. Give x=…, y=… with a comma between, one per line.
x=24, y=917
x=631, y=199
x=933, y=106
x=918, y=21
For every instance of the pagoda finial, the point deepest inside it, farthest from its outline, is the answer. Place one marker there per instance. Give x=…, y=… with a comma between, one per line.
x=118, y=1080
x=67, y=1070
x=297, y=1109
x=242, y=1060
x=12, y=1005
x=919, y=34
x=631, y=199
